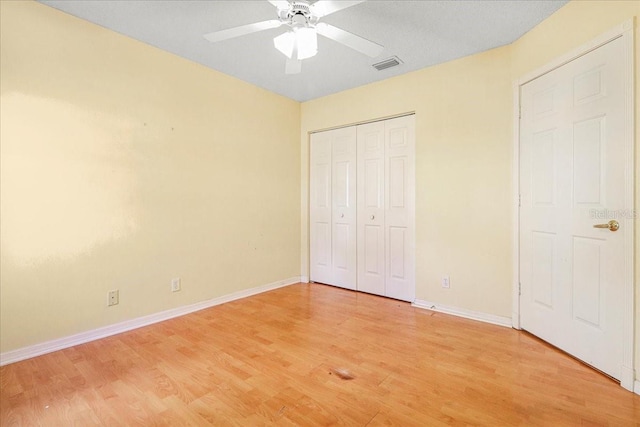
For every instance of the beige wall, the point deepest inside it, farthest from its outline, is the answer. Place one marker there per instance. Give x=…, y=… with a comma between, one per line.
x=463, y=130
x=123, y=166
x=464, y=148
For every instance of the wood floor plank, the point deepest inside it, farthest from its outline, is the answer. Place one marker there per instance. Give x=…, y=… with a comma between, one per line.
x=274, y=359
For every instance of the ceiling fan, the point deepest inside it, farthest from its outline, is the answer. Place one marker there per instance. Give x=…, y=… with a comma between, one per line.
x=301, y=17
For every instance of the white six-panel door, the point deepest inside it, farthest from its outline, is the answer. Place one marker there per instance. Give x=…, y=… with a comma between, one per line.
x=332, y=207
x=386, y=205
x=572, y=177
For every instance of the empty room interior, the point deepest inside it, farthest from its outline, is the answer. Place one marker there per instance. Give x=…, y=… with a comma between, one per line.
x=208, y=219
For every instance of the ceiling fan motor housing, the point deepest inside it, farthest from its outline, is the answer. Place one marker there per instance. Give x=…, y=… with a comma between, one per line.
x=298, y=15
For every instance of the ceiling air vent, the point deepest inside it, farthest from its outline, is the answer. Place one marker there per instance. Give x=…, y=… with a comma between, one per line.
x=387, y=63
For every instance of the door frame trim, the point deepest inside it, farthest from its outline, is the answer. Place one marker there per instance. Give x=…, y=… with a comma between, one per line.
x=626, y=32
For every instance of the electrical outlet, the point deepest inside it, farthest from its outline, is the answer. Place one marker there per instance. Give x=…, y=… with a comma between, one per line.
x=175, y=285
x=445, y=282
x=113, y=298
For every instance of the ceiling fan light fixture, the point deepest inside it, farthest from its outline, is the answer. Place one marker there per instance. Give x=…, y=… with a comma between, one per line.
x=285, y=42
x=307, y=39
x=304, y=38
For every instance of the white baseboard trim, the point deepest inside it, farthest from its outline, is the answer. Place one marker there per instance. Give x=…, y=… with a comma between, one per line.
x=117, y=328
x=636, y=387
x=304, y=279
x=627, y=378
x=463, y=312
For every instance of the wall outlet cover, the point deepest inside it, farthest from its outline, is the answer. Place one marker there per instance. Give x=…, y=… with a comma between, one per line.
x=175, y=285
x=445, y=282
x=113, y=297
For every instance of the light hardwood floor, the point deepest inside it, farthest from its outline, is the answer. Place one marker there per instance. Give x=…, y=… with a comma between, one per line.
x=270, y=359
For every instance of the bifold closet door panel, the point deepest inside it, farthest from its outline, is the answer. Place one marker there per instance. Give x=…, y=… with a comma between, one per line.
x=344, y=209
x=320, y=211
x=362, y=208
x=400, y=208
x=371, y=206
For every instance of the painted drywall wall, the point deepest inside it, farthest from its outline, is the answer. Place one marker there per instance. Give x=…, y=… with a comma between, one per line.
x=464, y=122
x=571, y=26
x=463, y=172
x=123, y=166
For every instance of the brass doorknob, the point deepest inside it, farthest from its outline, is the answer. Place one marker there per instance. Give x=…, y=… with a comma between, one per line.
x=612, y=225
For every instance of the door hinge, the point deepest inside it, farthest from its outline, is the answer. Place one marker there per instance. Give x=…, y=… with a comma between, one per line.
x=519, y=200
x=519, y=288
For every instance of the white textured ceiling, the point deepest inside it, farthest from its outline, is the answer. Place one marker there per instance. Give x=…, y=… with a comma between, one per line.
x=420, y=33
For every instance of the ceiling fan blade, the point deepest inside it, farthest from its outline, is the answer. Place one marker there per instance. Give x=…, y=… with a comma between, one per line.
x=242, y=30
x=293, y=66
x=325, y=7
x=280, y=4
x=349, y=39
